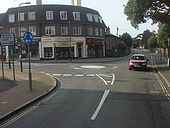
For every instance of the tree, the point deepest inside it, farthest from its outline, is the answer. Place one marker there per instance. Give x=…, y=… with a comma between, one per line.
x=152, y=42
x=139, y=11
x=145, y=36
x=127, y=39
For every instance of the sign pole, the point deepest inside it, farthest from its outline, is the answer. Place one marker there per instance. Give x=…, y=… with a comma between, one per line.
x=28, y=39
x=13, y=59
x=2, y=59
x=30, y=74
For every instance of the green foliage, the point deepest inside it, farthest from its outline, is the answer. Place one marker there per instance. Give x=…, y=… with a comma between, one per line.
x=139, y=11
x=152, y=42
x=127, y=39
x=145, y=36
x=163, y=35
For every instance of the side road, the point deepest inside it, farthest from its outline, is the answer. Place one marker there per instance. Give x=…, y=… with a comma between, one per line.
x=19, y=95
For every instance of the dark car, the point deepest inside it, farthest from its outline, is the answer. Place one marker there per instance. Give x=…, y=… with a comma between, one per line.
x=138, y=61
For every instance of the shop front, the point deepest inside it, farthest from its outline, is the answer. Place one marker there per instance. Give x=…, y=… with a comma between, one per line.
x=95, y=47
x=62, y=47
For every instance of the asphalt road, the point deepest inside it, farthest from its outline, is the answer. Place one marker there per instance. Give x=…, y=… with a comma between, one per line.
x=100, y=95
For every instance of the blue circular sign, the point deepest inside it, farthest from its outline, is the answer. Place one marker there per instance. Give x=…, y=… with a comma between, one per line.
x=27, y=37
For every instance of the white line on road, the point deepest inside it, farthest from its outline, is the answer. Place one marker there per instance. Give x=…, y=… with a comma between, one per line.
x=100, y=104
x=102, y=79
x=79, y=75
x=67, y=74
x=113, y=79
x=90, y=75
x=57, y=74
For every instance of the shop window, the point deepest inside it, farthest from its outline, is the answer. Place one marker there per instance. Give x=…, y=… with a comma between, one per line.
x=49, y=30
x=49, y=15
x=76, y=15
x=11, y=18
x=64, y=30
x=31, y=15
x=63, y=15
x=48, y=52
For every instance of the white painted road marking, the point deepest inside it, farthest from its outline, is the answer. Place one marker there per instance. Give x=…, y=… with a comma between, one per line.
x=113, y=79
x=102, y=79
x=79, y=75
x=90, y=75
x=67, y=74
x=57, y=74
x=100, y=104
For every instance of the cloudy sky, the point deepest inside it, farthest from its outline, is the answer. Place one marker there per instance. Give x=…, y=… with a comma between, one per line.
x=110, y=10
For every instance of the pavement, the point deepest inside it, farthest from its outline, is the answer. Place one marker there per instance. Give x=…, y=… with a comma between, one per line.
x=16, y=95
x=15, y=98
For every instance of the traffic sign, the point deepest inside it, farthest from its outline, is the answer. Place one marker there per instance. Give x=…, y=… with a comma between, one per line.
x=28, y=37
x=7, y=39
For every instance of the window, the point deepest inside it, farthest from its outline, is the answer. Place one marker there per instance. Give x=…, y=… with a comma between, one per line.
x=96, y=18
x=11, y=18
x=32, y=29
x=76, y=15
x=77, y=31
x=12, y=30
x=100, y=20
x=49, y=30
x=63, y=15
x=96, y=32
x=89, y=17
x=101, y=32
x=90, y=31
x=22, y=30
x=31, y=15
x=49, y=15
x=20, y=16
x=64, y=30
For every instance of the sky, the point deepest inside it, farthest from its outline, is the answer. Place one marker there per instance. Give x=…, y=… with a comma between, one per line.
x=112, y=12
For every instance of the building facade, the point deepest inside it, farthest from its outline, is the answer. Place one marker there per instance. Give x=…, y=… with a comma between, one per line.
x=60, y=31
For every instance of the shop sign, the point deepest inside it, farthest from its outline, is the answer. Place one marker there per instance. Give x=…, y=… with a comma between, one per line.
x=62, y=44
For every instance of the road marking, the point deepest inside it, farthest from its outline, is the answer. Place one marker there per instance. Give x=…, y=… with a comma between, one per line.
x=100, y=104
x=102, y=79
x=105, y=75
x=77, y=68
x=93, y=66
x=113, y=79
x=90, y=75
x=115, y=67
x=79, y=75
x=57, y=74
x=67, y=74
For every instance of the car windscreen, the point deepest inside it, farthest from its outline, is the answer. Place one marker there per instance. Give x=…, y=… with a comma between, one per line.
x=138, y=58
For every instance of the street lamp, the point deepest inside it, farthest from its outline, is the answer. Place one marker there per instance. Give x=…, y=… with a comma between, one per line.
x=70, y=40
x=20, y=33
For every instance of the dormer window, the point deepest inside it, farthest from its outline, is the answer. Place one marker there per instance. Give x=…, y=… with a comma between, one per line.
x=63, y=15
x=76, y=15
x=89, y=17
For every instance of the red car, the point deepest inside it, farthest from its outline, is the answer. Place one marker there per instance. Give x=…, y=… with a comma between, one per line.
x=138, y=61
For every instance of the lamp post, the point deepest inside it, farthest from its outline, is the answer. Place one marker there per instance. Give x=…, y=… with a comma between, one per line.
x=19, y=19
x=70, y=40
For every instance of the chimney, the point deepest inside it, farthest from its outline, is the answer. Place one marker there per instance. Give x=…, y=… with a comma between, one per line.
x=76, y=2
x=39, y=2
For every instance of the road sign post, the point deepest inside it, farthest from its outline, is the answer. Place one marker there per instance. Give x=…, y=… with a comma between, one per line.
x=28, y=39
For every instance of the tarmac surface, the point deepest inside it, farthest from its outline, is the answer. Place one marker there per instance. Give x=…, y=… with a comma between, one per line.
x=15, y=95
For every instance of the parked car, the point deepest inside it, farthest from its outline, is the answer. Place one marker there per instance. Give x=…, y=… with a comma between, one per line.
x=138, y=61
